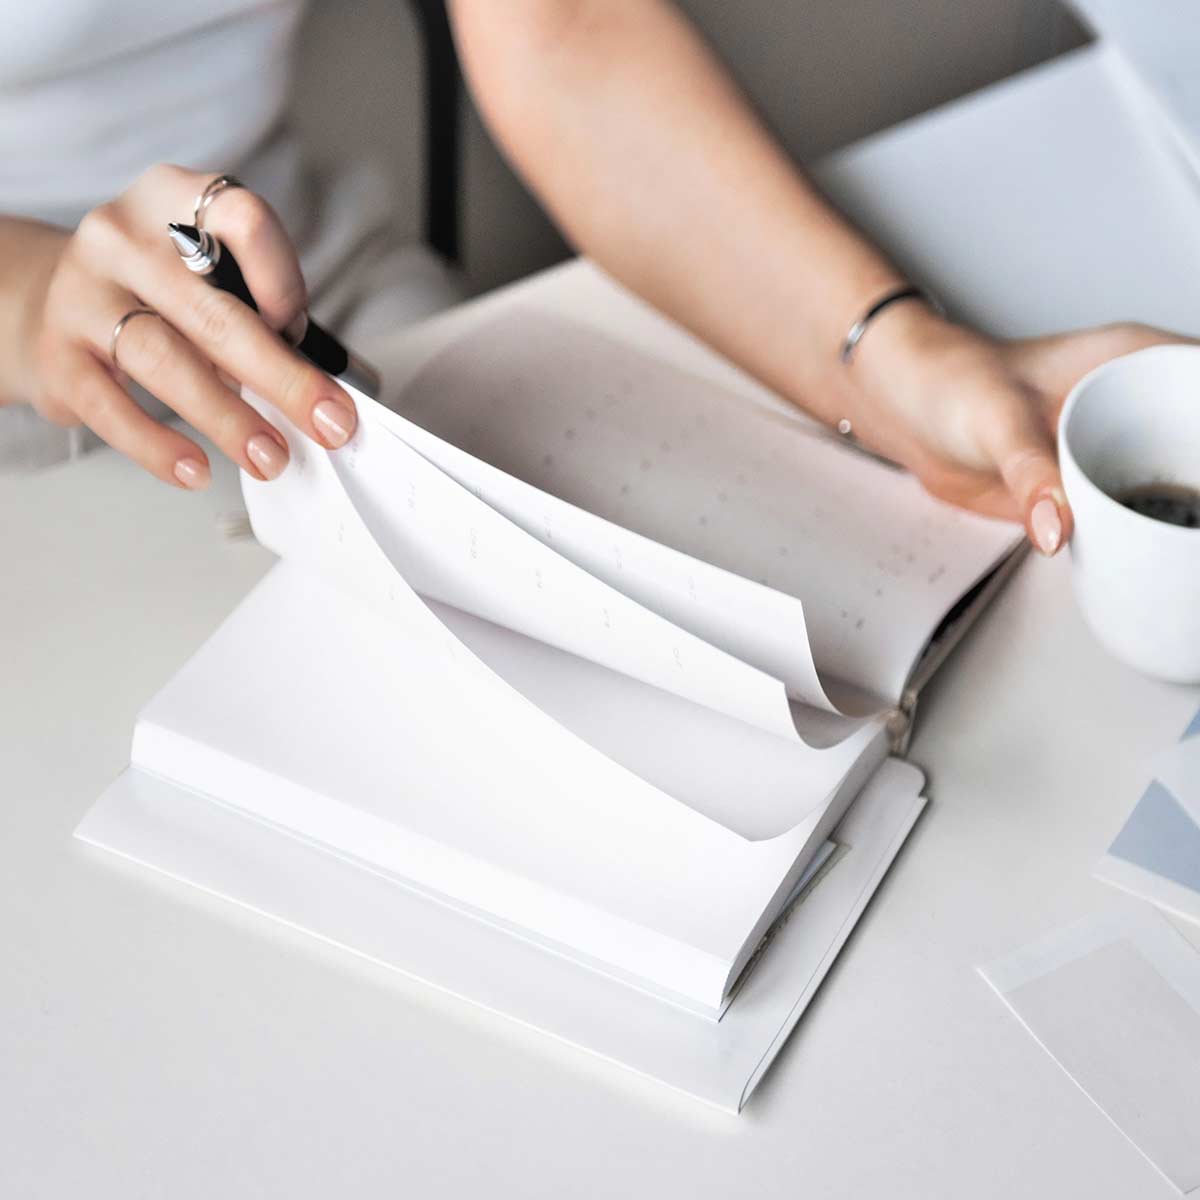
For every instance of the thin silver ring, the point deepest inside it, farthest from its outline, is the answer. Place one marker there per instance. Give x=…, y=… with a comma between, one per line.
x=210, y=193
x=119, y=328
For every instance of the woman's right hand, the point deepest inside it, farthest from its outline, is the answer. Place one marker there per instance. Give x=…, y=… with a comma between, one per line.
x=197, y=348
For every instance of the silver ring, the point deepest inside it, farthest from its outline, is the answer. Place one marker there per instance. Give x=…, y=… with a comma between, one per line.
x=210, y=193
x=119, y=328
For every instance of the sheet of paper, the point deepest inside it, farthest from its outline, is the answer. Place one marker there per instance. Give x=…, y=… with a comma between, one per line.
x=751, y=782
x=706, y=600
x=591, y=443
x=1115, y=1001
x=177, y=832
x=1156, y=854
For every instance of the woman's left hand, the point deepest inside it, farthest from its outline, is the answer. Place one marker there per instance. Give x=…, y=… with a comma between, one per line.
x=975, y=419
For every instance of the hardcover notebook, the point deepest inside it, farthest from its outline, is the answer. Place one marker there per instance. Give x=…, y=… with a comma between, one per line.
x=587, y=653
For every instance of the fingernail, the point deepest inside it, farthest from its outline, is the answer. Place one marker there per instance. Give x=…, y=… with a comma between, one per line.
x=193, y=473
x=334, y=421
x=267, y=455
x=1046, y=526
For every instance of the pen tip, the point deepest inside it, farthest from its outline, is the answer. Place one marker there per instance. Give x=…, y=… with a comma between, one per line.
x=185, y=237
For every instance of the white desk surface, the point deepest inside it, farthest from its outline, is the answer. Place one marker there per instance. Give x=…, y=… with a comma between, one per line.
x=158, y=1042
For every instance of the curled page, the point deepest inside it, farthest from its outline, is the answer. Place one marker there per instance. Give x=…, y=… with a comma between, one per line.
x=452, y=547
x=752, y=782
x=320, y=514
x=816, y=563
x=755, y=624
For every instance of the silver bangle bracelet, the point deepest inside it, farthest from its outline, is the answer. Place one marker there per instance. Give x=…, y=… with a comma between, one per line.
x=907, y=292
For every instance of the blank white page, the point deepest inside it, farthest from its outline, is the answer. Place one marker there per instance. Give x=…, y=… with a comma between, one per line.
x=750, y=781
x=651, y=450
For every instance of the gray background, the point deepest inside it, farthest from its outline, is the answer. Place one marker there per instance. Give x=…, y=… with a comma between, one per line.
x=822, y=72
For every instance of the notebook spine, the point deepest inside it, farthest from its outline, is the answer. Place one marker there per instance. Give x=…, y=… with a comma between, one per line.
x=900, y=722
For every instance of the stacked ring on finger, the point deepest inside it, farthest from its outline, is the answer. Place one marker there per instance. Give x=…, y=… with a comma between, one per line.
x=210, y=193
x=119, y=328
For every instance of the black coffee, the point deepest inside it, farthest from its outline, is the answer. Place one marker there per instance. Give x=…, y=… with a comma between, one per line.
x=1170, y=502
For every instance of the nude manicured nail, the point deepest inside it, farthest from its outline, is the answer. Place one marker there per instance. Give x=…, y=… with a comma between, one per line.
x=267, y=455
x=193, y=473
x=1046, y=526
x=334, y=421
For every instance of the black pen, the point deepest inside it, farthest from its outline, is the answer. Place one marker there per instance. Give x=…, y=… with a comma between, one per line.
x=204, y=255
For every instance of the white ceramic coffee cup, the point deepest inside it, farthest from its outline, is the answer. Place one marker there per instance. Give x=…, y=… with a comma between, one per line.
x=1135, y=421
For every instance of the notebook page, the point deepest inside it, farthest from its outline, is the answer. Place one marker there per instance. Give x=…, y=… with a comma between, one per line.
x=455, y=548
x=755, y=624
x=874, y=562
x=450, y=546
x=751, y=782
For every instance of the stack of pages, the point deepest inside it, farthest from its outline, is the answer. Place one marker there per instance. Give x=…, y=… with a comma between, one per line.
x=578, y=665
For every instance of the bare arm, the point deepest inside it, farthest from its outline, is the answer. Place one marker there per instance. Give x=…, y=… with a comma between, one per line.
x=652, y=163
x=649, y=158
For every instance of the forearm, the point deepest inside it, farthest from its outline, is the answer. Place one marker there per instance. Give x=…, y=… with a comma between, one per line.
x=653, y=164
x=28, y=251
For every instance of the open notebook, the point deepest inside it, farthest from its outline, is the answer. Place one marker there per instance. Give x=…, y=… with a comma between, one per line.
x=582, y=646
